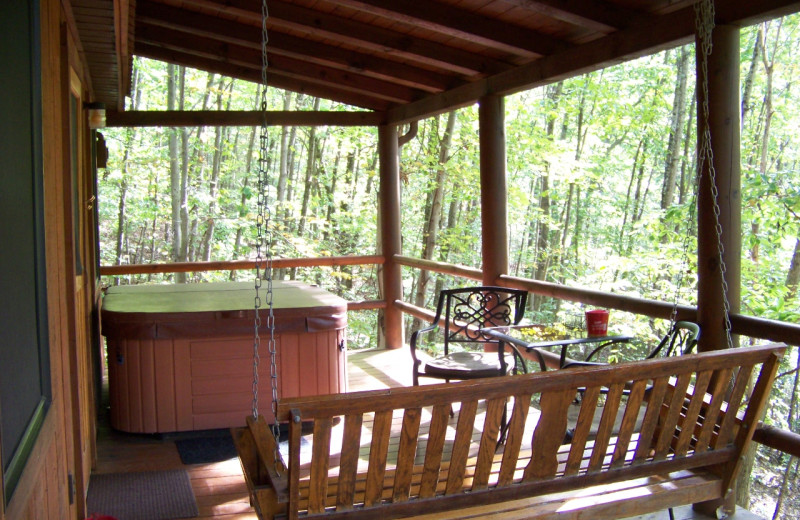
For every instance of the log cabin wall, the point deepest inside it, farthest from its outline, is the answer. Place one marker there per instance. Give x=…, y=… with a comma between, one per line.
x=55, y=477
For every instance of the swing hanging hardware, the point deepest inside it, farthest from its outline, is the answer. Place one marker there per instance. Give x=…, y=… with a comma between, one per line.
x=704, y=21
x=264, y=242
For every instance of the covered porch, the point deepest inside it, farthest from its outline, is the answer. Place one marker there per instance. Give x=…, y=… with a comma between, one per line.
x=397, y=62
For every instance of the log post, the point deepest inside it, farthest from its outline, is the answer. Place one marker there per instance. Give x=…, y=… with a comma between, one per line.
x=724, y=126
x=494, y=213
x=390, y=243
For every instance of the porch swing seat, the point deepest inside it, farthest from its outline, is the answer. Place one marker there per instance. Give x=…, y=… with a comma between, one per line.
x=398, y=452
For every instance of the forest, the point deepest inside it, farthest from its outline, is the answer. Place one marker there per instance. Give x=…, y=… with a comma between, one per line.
x=601, y=178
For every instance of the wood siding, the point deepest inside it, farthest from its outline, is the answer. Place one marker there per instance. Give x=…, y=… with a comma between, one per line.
x=55, y=465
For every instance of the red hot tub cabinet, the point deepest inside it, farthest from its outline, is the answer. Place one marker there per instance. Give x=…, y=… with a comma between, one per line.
x=180, y=357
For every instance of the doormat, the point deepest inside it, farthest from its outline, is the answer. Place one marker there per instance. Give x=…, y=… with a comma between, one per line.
x=216, y=446
x=148, y=495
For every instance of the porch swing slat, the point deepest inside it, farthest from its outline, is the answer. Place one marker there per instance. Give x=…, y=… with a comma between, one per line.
x=712, y=407
x=404, y=455
x=516, y=430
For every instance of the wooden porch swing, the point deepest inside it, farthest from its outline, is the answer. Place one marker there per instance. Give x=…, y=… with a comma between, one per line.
x=648, y=435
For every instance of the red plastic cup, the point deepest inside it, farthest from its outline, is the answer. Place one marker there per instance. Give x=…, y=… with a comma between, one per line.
x=597, y=322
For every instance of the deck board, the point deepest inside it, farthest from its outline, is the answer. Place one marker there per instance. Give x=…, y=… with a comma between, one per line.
x=220, y=489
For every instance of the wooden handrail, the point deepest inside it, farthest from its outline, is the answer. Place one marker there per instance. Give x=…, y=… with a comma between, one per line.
x=235, y=265
x=762, y=328
x=782, y=440
x=653, y=308
x=440, y=267
x=366, y=305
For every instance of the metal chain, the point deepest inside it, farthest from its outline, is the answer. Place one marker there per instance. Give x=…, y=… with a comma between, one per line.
x=684, y=268
x=704, y=21
x=264, y=251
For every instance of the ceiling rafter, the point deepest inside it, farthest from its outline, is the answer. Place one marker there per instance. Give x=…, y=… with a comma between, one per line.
x=250, y=57
x=597, y=15
x=460, y=23
x=247, y=36
x=219, y=61
x=349, y=33
x=276, y=79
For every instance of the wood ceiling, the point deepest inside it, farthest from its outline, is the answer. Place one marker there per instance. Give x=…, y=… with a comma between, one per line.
x=406, y=58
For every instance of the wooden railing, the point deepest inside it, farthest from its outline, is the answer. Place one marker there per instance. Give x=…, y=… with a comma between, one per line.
x=789, y=333
x=237, y=265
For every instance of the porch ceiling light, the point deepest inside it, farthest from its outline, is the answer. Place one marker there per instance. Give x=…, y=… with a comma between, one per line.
x=97, y=115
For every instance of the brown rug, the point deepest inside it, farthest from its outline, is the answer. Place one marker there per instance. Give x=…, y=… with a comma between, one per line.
x=150, y=495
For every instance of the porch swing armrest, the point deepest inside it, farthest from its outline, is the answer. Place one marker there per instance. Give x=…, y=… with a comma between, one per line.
x=261, y=456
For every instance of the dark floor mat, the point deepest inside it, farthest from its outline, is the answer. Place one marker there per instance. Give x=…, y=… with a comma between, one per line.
x=149, y=495
x=214, y=447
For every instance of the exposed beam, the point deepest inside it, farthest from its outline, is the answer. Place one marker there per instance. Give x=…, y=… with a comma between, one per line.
x=249, y=74
x=248, y=57
x=460, y=23
x=318, y=25
x=152, y=22
x=597, y=15
x=614, y=48
x=192, y=118
x=335, y=78
x=665, y=31
x=746, y=12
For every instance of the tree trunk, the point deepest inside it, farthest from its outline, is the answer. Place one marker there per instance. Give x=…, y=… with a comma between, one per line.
x=791, y=467
x=627, y=212
x=676, y=130
x=543, y=239
x=184, y=180
x=751, y=74
x=285, y=153
x=431, y=229
x=769, y=69
x=174, y=171
x=330, y=190
x=793, y=276
x=688, y=175
x=313, y=146
x=213, y=184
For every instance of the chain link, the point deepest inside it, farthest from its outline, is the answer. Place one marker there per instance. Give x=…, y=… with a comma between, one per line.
x=684, y=268
x=264, y=252
x=704, y=22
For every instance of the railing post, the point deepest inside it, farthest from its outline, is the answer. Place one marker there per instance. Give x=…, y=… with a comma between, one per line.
x=494, y=214
x=389, y=237
x=724, y=125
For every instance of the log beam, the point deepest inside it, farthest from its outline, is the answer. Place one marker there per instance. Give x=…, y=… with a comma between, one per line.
x=180, y=118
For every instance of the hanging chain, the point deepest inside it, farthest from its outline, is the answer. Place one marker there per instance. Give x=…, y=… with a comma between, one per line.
x=704, y=21
x=684, y=268
x=264, y=251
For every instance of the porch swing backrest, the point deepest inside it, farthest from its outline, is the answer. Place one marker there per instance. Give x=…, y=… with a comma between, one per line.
x=398, y=452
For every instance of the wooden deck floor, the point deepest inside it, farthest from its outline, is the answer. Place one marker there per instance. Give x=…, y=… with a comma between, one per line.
x=220, y=489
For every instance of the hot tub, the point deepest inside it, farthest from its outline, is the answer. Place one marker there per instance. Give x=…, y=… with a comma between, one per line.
x=180, y=357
